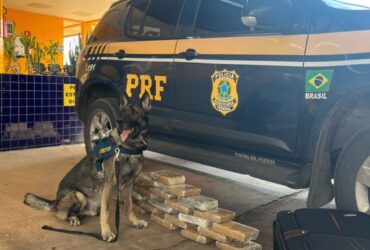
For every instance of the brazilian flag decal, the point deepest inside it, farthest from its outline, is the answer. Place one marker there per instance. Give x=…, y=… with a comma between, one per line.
x=318, y=81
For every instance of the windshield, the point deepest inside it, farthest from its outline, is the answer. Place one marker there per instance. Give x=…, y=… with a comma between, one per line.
x=348, y=4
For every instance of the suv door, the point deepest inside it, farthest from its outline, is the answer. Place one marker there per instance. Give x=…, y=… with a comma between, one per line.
x=144, y=57
x=239, y=88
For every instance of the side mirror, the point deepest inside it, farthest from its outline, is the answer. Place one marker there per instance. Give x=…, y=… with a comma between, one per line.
x=268, y=15
x=249, y=21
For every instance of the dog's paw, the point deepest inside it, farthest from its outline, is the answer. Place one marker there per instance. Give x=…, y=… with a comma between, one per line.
x=74, y=221
x=108, y=236
x=140, y=224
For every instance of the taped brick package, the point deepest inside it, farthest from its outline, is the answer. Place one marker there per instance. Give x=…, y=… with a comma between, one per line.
x=142, y=191
x=145, y=180
x=180, y=206
x=161, y=193
x=236, y=231
x=149, y=208
x=183, y=190
x=161, y=206
x=218, y=215
x=239, y=246
x=193, y=235
x=174, y=220
x=206, y=231
x=161, y=221
x=200, y=202
x=194, y=220
x=168, y=178
x=138, y=196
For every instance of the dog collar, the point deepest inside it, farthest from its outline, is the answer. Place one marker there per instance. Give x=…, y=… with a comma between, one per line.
x=105, y=148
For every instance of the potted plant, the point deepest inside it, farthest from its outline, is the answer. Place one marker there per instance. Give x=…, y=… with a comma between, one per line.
x=52, y=50
x=11, y=55
x=29, y=43
x=36, y=58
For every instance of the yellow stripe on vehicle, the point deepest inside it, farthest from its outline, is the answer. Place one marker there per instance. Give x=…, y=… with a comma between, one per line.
x=163, y=47
x=339, y=43
x=248, y=45
x=279, y=45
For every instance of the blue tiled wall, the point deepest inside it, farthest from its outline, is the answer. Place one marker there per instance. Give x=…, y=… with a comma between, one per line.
x=32, y=113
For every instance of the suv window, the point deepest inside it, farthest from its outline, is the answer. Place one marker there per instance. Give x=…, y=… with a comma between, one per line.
x=224, y=17
x=111, y=25
x=159, y=21
x=219, y=17
x=136, y=18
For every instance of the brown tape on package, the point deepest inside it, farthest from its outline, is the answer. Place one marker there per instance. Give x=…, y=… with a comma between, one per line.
x=179, y=206
x=161, y=193
x=194, y=220
x=174, y=220
x=239, y=246
x=161, y=206
x=168, y=178
x=183, y=190
x=237, y=231
x=193, y=235
x=161, y=221
x=200, y=202
x=146, y=181
x=218, y=215
x=142, y=191
x=149, y=208
x=206, y=231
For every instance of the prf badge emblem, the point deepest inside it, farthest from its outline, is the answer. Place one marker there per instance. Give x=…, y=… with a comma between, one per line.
x=224, y=96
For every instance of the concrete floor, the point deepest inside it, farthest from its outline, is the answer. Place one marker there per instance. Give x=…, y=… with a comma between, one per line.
x=40, y=170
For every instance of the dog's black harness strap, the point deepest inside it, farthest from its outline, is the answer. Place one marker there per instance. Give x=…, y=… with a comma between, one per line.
x=96, y=236
x=118, y=217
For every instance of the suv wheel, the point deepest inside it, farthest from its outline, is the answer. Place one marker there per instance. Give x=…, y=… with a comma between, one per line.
x=100, y=120
x=352, y=174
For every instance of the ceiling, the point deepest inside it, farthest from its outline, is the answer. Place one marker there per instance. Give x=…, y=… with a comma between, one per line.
x=81, y=10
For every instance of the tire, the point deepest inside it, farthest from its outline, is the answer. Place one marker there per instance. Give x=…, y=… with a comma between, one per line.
x=101, y=109
x=352, y=177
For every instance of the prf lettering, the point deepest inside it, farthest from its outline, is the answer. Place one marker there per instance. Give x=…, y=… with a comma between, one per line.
x=145, y=82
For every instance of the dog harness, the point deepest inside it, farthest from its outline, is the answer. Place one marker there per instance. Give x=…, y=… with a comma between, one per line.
x=105, y=148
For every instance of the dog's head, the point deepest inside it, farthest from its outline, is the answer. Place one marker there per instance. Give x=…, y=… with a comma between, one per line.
x=132, y=123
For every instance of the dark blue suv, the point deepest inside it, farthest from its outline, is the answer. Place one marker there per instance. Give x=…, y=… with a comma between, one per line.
x=276, y=89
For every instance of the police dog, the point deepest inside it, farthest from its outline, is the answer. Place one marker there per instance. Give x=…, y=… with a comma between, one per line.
x=86, y=192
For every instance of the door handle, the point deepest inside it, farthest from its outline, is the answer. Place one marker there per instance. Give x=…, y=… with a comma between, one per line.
x=189, y=54
x=120, y=54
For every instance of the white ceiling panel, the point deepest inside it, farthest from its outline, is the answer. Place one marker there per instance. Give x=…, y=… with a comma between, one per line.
x=82, y=10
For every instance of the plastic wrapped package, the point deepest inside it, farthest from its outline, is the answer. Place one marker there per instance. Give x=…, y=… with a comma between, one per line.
x=167, y=178
x=193, y=235
x=236, y=231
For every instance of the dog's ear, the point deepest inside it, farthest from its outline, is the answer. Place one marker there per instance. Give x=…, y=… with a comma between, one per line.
x=123, y=101
x=145, y=102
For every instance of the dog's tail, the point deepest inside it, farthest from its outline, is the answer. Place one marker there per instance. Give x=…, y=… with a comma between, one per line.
x=38, y=203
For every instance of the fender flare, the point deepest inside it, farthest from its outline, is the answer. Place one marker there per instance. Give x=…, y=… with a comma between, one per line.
x=92, y=82
x=321, y=188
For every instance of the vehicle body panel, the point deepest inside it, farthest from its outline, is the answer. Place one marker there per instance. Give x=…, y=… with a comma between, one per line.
x=275, y=130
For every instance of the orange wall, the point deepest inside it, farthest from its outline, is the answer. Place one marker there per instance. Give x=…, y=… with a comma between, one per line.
x=87, y=28
x=44, y=27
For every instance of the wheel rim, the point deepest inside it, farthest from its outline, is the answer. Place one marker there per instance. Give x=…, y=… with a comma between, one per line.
x=100, y=127
x=362, y=187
